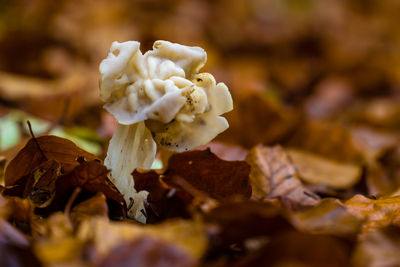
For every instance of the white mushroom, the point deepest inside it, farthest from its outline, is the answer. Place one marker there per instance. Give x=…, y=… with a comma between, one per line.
x=158, y=98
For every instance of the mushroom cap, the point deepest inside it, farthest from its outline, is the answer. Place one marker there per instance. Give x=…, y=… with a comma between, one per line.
x=180, y=106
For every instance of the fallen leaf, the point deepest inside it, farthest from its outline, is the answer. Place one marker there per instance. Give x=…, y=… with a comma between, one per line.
x=4, y=209
x=94, y=206
x=381, y=112
x=378, y=248
x=52, y=92
x=92, y=178
x=377, y=213
x=189, y=236
x=328, y=217
x=328, y=139
x=378, y=181
x=330, y=97
x=55, y=242
x=39, y=186
x=391, y=165
x=315, y=169
x=296, y=249
x=148, y=251
x=203, y=170
x=54, y=148
x=235, y=222
x=273, y=175
x=373, y=143
x=258, y=118
x=163, y=201
x=19, y=212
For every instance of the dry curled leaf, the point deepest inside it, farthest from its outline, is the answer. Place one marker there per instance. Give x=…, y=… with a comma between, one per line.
x=31, y=156
x=56, y=168
x=377, y=213
x=19, y=213
x=274, y=175
x=378, y=248
x=258, y=118
x=189, y=236
x=328, y=139
x=148, y=251
x=57, y=243
x=95, y=206
x=236, y=222
x=203, y=170
x=39, y=186
x=296, y=249
x=315, y=169
x=164, y=201
x=373, y=143
x=329, y=217
x=378, y=180
x=92, y=178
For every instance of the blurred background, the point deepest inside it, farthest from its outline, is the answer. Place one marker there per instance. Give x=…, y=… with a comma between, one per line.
x=320, y=75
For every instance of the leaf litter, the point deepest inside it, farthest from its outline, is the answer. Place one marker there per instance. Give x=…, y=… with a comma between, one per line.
x=308, y=174
x=200, y=208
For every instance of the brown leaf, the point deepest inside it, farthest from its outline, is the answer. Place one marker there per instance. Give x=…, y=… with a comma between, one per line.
x=235, y=222
x=20, y=213
x=206, y=172
x=381, y=112
x=391, y=165
x=54, y=148
x=378, y=248
x=291, y=248
x=189, y=236
x=48, y=188
x=329, y=217
x=57, y=244
x=330, y=97
x=44, y=180
x=4, y=209
x=44, y=96
x=95, y=206
x=164, y=201
x=147, y=251
x=377, y=213
x=274, y=175
x=373, y=143
x=38, y=185
x=92, y=178
x=378, y=180
x=328, y=139
x=315, y=169
x=258, y=118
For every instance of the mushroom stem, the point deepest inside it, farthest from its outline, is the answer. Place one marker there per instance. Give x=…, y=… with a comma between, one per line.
x=131, y=147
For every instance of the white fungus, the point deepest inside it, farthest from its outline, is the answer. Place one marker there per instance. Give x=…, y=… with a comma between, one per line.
x=158, y=98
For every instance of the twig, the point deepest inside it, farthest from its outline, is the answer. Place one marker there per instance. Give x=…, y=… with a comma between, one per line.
x=71, y=200
x=35, y=140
